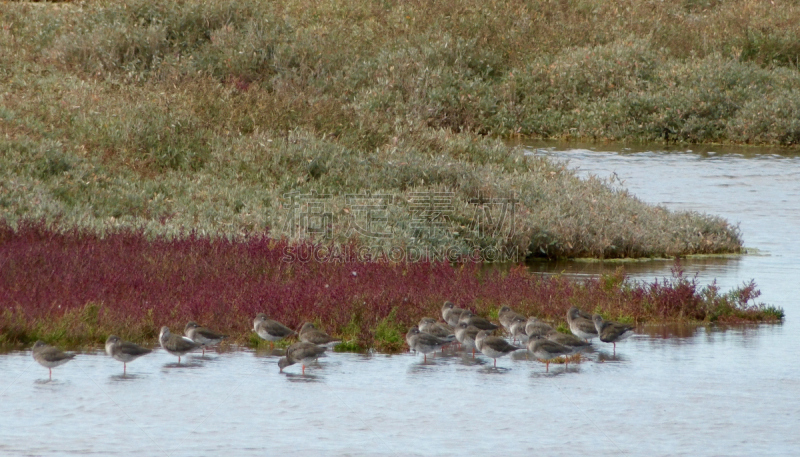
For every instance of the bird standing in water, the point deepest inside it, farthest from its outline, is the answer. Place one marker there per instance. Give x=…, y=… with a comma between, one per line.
x=124, y=351
x=493, y=346
x=176, y=344
x=50, y=357
x=611, y=332
x=270, y=330
x=202, y=335
x=301, y=352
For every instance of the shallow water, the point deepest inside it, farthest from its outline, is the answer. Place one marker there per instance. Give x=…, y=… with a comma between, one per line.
x=667, y=391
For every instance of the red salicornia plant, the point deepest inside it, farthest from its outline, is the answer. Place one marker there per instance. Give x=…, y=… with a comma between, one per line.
x=79, y=287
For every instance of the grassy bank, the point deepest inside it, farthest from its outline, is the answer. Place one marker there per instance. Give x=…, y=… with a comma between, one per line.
x=76, y=288
x=210, y=116
x=248, y=187
x=365, y=72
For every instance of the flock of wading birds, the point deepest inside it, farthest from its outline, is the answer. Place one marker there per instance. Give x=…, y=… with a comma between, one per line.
x=471, y=331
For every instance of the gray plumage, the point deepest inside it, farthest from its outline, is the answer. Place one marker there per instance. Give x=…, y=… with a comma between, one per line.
x=580, y=325
x=507, y=316
x=546, y=350
x=430, y=326
x=535, y=327
x=124, y=351
x=269, y=329
x=50, y=357
x=301, y=352
x=423, y=342
x=311, y=334
x=465, y=334
x=176, y=344
x=611, y=332
x=476, y=321
x=202, y=335
x=493, y=346
x=410, y=340
x=518, y=329
x=451, y=314
x=567, y=339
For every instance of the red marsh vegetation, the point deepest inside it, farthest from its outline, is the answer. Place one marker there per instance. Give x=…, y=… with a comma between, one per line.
x=76, y=288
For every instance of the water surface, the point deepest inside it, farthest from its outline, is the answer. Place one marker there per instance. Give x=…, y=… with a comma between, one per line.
x=667, y=391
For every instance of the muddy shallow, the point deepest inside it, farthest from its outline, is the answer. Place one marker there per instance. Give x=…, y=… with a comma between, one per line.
x=668, y=390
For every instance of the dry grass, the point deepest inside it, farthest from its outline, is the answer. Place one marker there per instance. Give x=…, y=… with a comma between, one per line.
x=175, y=116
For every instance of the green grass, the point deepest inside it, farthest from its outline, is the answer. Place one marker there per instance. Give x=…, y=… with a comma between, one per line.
x=86, y=326
x=389, y=335
x=256, y=342
x=180, y=116
x=348, y=346
x=563, y=327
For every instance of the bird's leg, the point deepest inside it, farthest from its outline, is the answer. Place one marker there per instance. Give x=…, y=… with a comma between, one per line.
x=179, y=360
x=546, y=366
x=124, y=368
x=495, y=363
x=51, y=373
x=304, y=369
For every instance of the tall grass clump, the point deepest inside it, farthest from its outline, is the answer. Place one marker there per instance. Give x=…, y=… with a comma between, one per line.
x=77, y=288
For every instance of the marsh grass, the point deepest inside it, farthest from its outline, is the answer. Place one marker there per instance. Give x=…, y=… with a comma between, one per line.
x=76, y=288
x=635, y=70
x=180, y=116
x=247, y=187
x=574, y=358
x=256, y=342
x=389, y=334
